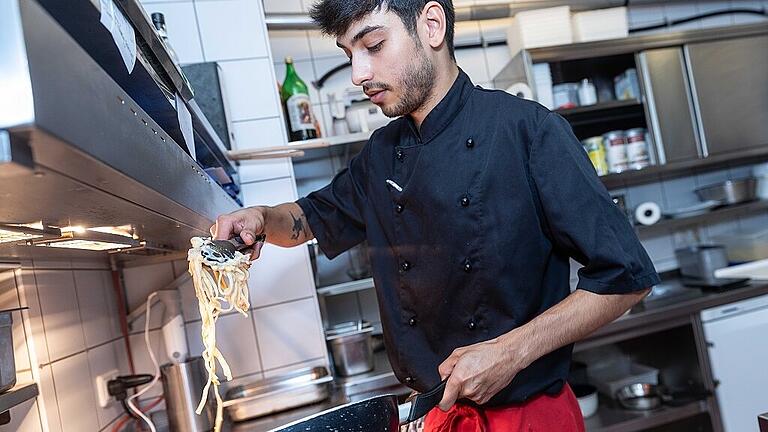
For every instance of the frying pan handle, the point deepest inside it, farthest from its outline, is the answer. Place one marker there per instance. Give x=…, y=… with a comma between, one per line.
x=424, y=402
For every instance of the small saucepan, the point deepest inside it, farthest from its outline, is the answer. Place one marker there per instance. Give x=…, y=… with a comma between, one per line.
x=380, y=413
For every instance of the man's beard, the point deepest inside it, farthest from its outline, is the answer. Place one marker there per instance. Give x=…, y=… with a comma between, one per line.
x=415, y=86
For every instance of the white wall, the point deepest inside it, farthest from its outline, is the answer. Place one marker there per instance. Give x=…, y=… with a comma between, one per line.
x=283, y=330
x=68, y=336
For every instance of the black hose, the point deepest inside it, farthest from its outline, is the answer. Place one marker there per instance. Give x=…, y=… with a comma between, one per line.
x=128, y=410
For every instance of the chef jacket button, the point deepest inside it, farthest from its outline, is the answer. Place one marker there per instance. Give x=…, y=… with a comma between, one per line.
x=405, y=266
x=399, y=154
x=464, y=201
x=470, y=143
x=471, y=325
x=408, y=380
x=412, y=321
x=399, y=208
x=467, y=266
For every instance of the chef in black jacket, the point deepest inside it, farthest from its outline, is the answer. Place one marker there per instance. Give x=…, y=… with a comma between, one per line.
x=472, y=201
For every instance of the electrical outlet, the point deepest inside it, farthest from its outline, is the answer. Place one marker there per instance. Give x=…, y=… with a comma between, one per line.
x=102, y=393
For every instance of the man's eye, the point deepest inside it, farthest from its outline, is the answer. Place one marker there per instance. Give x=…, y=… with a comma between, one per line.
x=376, y=47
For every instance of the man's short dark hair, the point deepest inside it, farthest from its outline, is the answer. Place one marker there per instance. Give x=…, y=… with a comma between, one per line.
x=336, y=16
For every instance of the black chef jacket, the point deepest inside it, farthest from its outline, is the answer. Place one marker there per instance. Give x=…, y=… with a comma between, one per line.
x=470, y=223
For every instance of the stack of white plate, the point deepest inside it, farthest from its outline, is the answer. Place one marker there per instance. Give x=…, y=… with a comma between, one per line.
x=540, y=28
x=542, y=77
x=600, y=24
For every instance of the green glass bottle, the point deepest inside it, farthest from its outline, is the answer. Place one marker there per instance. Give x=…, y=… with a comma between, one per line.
x=299, y=118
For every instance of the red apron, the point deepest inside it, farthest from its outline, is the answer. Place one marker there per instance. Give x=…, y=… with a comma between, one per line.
x=543, y=413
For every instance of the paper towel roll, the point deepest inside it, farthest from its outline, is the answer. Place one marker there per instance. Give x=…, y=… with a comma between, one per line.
x=521, y=90
x=647, y=213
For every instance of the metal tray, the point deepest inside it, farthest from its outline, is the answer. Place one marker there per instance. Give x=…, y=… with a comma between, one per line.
x=279, y=393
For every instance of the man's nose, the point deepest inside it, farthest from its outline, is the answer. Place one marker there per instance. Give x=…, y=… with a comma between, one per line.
x=361, y=71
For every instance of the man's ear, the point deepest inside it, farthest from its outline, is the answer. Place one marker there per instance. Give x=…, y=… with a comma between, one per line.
x=433, y=15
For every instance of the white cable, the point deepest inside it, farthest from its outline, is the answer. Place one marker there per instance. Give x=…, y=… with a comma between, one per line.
x=157, y=369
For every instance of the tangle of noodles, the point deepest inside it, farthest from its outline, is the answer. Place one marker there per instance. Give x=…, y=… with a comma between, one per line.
x=220, y=286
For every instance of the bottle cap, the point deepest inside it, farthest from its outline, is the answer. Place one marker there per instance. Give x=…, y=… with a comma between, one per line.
x=288, y=59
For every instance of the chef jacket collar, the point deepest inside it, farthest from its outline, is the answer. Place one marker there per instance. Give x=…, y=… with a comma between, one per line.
x=445, y=111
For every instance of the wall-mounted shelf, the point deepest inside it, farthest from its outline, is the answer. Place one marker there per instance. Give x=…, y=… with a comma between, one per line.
x=346, y=287
x=598, y=107
x=716, y=215
x=611, y=418
x=17, y=395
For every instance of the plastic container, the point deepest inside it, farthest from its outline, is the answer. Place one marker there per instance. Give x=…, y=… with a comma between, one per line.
x=743, y=246
x=610, y=378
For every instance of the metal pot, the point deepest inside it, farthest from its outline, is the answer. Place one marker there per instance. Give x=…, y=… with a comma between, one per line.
x=730, y=191
x=701, y=261
x=351, y=348
x=639, y=396
x=380, y=413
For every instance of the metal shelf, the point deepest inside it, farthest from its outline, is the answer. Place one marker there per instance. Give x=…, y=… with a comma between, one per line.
x=336, y=140
x=599, y=107
x=716, y=215
x=346, y=287
x=612, y=418
x=17, y=395
x=639, y=43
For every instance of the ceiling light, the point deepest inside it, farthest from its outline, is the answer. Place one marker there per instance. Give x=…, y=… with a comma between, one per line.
x=89, y=240
x=85, y=245
x=11, y=233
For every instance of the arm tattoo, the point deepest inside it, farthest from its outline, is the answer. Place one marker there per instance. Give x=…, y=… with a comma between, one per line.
x=299, y=226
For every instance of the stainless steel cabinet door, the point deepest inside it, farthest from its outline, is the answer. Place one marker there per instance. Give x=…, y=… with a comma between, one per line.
x=669, y=106
x=730, y=87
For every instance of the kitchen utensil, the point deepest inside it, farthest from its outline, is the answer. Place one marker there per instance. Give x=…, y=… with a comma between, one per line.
x=610, y=377
x=701, y=261
x=692, y=210
x=222, y=250
x=639, y=396
x=730, y=191
x=586, y=395
x=182, y=386
x=380, y=413
x=294, y=389
x=351, y=348
x=7, y=363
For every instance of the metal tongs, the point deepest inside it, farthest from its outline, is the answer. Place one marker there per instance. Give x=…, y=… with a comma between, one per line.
x=221, y=251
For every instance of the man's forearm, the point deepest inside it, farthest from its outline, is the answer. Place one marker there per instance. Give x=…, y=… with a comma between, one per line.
x=569, y=321
x=286, y=225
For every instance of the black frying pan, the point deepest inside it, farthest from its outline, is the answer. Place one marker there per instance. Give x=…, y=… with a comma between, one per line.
x=380, y=413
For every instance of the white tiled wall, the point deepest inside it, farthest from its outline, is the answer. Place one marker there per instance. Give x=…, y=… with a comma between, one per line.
x=233, y=33
x=68, y=336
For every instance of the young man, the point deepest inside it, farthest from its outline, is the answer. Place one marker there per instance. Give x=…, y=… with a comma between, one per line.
x=472, y=203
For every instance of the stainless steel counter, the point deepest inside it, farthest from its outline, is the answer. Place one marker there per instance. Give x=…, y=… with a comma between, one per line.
x=379, y=381
x=670, y=305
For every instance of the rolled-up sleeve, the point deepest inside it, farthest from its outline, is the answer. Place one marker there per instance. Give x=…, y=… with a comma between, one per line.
x=580, y=216
x=335, y=212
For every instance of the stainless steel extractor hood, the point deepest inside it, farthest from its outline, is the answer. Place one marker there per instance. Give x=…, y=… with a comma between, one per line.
x=78, y=147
